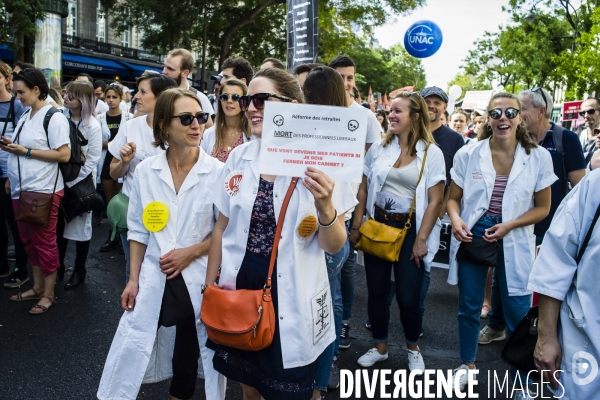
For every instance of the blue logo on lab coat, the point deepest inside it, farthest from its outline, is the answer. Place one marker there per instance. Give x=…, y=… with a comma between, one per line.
x=423, y=39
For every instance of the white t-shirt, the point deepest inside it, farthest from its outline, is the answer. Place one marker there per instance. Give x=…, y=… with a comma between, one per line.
x=206, y=106
x=374, y=129
x=124, y=107
x=101, y=107
x=137, y=131
x=36, y=175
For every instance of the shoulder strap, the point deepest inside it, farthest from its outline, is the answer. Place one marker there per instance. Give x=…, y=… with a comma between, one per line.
x=47, y=117
x=8, y=118
x=557, y=135
x=588, y=236
x=284, y=206
x=12, y=111
x=412, y=204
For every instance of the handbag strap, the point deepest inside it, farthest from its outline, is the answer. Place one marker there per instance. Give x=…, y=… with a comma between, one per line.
x=284, y=206
x=587, y=236
x=412, y=204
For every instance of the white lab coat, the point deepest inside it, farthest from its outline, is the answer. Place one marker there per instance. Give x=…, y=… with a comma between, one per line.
x=301, y=270
x=474, y=172
x=556, y=274
x=140, y=353
x=125, y=116
x=209, y=137
x=80, y=227
x=378, y=163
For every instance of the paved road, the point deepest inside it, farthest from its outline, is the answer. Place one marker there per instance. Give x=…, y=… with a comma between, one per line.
x=60, y=355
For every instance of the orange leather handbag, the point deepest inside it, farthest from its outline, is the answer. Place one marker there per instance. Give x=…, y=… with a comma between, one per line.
x=244, y=319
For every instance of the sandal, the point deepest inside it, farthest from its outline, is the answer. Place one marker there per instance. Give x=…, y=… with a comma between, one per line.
x=36, y=295
x=40, y=309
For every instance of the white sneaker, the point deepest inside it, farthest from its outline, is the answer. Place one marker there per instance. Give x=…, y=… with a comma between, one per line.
x=415, y=361
x=527, y=395
x=371, y=357
x=464, y=379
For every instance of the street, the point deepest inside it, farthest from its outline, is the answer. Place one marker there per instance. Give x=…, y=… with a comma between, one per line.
x=61, y=354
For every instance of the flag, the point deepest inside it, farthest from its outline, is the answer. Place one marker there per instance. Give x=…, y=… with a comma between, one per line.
x=404, y=89
x=386, y=104
x=371, y=99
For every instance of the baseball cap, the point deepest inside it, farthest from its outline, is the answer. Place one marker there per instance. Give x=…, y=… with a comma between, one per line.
x=216, y=78
x=434, y=91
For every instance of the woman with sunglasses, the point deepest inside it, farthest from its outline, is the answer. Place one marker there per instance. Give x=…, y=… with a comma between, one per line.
x=168, y=261
x=133, y=143
x=110, y=122
x=405, y=167
x=231, y=128
x=33, y=167
x=500, y=188
x=242, y=243
x=79, y=109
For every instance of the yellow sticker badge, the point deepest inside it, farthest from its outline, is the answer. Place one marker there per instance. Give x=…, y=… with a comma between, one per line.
x=155, y=216
x=307, y=226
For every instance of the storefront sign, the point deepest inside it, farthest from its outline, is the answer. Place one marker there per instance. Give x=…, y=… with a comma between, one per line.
x=303, y=35
x=571, y=109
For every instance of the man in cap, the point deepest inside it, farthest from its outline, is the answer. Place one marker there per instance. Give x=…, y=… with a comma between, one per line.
x=449, y=141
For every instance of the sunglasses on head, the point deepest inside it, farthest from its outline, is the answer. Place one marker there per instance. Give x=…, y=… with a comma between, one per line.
x=258, y=100
x=187, y=119
x=539, y=89
x=510, y=112
x=234, y=97
x=591, y=111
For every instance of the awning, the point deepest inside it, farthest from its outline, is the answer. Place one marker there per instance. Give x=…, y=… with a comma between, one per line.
x=6, y=53
x=93, y=64
x=138, y=70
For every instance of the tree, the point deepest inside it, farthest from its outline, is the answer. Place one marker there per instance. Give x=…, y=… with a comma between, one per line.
x=469, y=82
x=17, y=24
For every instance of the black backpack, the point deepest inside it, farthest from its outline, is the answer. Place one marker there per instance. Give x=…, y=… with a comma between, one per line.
x=557, y=134
x=70, y=170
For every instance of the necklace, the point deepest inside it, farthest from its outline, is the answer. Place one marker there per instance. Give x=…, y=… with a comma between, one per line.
x=506, y=159
x=237, y=132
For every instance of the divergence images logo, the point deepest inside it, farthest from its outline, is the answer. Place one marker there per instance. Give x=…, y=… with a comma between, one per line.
x=352, y=125
x=584, y=368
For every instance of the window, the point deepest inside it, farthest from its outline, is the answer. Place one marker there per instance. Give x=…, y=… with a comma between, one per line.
x=125, y=38
x=100, y=23
x=72, y=18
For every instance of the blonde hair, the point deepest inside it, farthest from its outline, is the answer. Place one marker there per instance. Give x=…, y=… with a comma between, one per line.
x=522, y=135
x=419, y=129
x=220, y=125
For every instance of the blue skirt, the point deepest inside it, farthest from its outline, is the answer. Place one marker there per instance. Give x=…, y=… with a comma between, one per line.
x=263, y=370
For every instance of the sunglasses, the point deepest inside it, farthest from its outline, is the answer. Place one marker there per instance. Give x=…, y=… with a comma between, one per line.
x=187, y=119
x=258, y=100
x=591, y=111
x=234, y=97
x=70, y=96
x=539, y=89
x=511, y=113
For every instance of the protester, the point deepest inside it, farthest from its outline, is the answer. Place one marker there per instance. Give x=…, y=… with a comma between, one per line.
x=444, y=118
x=168, y=266
x=565, y=279
x=179, y=65
x=520, y=173
x=231, y=128
x=458, y=121
x=133, y=143
x=11, y=111
x=390, y=183
x=242, y=243
x=110, y=122
x=590, y=112
x=101, y=106
x=238, y=68
x=449, y=141
x=99, y=88
x=213, y=98
x=33, y=167
x=325, y=86
x=301, y=71
x=478, y=122
x=79, y=109
x=20, y=66
x=383, y=121
x=357, y=98
x=272, y=63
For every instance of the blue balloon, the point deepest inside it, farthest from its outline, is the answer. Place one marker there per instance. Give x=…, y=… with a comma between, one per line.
x=423, y=39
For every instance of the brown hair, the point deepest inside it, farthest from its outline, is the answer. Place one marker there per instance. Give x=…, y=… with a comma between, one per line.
x=163, y=113
x=187, y=60
x=325, y=86
x=285, y=83
x=276, y=63
x=6, y=70
x=460, y=111
x=220, y=124
x=522, y=135
x=158, y=82
x=419, y=129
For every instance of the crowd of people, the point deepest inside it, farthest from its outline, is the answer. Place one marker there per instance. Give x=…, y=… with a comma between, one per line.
x=507, y=178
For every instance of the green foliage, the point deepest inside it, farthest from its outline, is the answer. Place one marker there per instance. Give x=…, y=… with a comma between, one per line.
x=469, y=82
x=18, y=20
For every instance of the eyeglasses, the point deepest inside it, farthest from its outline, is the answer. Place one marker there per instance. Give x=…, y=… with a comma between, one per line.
x=187, y=119
x=70, y=96
x=258, y=100
x=591, y=111
x=510, y=112
x=539, y=89
x=234, y=97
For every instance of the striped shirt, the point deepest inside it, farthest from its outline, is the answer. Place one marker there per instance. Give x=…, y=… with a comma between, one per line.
x=497, y=194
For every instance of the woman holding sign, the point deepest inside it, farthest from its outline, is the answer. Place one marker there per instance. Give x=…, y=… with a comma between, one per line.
x=170, y=222
x=242, y=243
x=133, y=143
x=403, y=184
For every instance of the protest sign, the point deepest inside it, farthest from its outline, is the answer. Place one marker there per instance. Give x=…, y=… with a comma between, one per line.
x=296, y=136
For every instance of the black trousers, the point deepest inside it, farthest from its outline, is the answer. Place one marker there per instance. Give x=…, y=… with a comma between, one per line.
x=7, y=216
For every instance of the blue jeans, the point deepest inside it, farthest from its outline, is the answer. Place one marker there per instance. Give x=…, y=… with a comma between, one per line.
x=334, y=267
x=408, y=281
x=471, y=291
x=347, y=284
x=125, y=244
